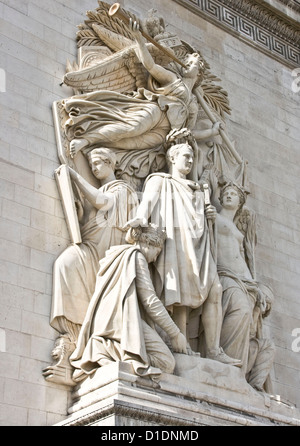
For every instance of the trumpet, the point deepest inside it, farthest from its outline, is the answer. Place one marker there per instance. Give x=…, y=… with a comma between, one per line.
x=116, y=11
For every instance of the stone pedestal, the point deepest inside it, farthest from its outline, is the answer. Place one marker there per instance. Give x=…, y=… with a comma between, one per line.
x=202, y=392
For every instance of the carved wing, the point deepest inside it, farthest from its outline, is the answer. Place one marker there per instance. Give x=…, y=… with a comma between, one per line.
x=112, y=64
x=121, y=72
x=246, y=223
x=118, y=72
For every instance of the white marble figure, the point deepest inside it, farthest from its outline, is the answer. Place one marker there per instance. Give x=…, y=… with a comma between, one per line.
x=134, y=99
x=120, y=321
x=140, y=121
x=187, y=275
x=75, y=270
x=245, y=301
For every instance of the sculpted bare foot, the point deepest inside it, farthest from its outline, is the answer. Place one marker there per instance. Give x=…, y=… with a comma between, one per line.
x=76, y=145
x=221, y=356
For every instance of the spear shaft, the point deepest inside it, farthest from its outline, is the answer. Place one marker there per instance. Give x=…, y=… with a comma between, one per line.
x=116, y=11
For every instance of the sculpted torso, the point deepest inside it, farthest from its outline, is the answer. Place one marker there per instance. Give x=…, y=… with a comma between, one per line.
x=230, y=248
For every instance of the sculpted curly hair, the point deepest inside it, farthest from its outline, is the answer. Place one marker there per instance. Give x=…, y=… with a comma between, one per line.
x=150, y=235
x=103, y=153
x=173, y=150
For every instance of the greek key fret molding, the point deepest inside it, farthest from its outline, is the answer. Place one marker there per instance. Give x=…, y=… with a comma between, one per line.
x=259, y=25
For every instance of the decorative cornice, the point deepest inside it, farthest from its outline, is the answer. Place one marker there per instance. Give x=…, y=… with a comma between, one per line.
x=140, y=413
x=292, y=4
x=257, y=23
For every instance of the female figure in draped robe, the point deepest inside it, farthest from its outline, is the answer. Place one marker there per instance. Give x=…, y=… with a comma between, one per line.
x=76, y=268
x=245, y=301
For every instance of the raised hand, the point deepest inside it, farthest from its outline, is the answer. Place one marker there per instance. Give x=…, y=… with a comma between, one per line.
x=135, y=222
x=134, y=28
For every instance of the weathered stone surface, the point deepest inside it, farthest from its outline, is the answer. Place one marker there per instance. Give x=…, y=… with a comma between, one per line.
x=202, y=396
x=37, y=38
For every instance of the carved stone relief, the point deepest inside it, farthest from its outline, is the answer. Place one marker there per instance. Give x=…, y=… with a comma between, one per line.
x=154, y=194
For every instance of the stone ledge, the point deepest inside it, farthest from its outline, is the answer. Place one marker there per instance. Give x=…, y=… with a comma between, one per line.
x=207, y=393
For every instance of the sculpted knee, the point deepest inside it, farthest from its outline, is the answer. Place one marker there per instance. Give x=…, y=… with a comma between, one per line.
x=62, y=259
x=66, y=260
x=169, y=364
x=163, y=360
x=59, y=262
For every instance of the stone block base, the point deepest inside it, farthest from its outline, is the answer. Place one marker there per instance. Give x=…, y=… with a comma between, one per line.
x=200, y=393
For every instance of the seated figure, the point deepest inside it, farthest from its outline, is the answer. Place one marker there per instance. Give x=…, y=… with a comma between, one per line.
x=74, y=276
x=120, y=321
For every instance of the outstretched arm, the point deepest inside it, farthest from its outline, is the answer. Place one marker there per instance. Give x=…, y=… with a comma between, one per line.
x=154, y=308
x=150, y=197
